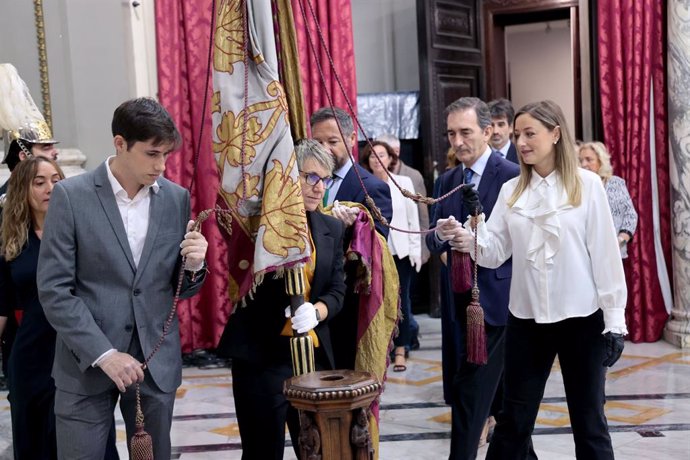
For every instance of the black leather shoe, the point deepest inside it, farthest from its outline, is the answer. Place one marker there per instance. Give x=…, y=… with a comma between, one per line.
x=414, y=343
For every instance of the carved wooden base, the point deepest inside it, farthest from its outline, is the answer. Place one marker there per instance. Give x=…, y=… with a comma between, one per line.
x=334, y=413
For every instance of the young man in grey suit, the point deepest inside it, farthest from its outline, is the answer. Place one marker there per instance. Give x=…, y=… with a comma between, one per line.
x=107, y=274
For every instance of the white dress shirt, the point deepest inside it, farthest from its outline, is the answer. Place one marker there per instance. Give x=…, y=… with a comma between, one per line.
x=135, y=217
x=134, y=212
x=504, y=150
x=405, y=217
x=566, y=261
x=479, y=166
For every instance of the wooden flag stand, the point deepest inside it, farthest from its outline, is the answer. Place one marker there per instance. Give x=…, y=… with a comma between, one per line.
x=334, y=413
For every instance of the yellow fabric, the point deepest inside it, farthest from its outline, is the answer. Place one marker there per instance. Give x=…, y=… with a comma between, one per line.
x=290, y=66
x=372, y=351
x=309, y=269
x=373, y=348
x=374, y=433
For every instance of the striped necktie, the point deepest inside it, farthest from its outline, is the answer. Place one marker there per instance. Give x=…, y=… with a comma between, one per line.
x=468, y=175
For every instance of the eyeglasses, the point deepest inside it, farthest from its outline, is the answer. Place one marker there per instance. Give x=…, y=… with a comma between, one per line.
x=313, y=179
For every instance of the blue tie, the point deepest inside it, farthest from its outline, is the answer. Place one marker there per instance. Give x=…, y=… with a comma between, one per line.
x=468, y=175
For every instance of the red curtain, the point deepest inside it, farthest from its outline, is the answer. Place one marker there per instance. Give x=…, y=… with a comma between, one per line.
x=183, y=28
x=632, y=56
x=182, y=38
x=335, y=20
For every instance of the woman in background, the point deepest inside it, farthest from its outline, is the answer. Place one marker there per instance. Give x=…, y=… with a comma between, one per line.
x=405, y=247
x=595, y=157
x=31, y=388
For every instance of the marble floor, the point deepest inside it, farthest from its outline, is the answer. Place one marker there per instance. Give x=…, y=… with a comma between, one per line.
x=648, y=409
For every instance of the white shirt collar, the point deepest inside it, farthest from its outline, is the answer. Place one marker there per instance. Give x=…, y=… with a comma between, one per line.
x=480, y=165
x=118, y=190
x=342, y=172
x=536, y=179
x=504, y=149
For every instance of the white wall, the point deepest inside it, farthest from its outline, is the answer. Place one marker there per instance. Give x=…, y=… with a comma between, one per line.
x=99, y=55
x=385, y=36
x=540, y=66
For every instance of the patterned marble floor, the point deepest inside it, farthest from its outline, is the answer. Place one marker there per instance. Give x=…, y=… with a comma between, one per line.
x=648, y=409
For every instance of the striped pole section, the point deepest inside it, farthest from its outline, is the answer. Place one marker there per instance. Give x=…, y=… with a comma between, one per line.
x=301, y=345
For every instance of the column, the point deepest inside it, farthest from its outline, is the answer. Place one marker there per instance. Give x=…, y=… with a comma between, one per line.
x=677, y=329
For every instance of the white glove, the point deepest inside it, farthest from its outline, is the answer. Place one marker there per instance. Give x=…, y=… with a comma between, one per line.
x=463, y=241
x=304, y=319
x=446, y=228
x=344, y=213
x=416, y=262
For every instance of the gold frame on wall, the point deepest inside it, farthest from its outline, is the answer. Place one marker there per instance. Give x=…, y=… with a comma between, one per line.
x=43, y=61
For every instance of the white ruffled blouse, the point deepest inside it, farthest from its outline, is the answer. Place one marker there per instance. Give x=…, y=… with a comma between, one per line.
x=566, y=261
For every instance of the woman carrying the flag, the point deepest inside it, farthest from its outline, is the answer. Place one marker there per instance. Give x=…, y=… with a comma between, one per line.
x=257, y=335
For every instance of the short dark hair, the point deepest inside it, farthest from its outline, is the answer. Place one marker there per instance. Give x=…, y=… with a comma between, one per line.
x=145, y=119
x=326, y=113
x=500, y=108
x=369, y=149
x=12, y=158
x=466, y=103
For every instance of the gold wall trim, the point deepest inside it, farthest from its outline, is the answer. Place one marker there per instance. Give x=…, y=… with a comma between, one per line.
x=43, y=61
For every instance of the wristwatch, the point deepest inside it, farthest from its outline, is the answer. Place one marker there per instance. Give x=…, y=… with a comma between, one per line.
x=318, y=314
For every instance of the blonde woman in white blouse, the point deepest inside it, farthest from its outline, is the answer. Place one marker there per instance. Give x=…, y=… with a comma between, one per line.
x=568, y=292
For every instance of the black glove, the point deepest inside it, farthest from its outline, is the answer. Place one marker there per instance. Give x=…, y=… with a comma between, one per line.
x=614, y=348
x=470, y=200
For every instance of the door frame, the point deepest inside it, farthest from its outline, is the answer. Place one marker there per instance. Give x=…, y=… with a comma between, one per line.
x=496, y=13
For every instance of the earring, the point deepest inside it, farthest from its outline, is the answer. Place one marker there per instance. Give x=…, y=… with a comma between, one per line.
x=555, y=142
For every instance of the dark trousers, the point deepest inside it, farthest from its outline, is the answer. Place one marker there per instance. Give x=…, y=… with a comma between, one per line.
x=262, y=409
x=530, y=352
x=405, y=271
x=473, y=390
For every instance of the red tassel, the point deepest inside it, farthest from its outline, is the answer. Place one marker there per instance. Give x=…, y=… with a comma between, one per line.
x=141, y=445
x=476, y=333
x=461, y=271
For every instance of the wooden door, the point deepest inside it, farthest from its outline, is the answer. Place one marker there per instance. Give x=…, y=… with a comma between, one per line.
x=450, y=67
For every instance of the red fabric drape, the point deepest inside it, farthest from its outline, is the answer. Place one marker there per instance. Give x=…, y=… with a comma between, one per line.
x=632, y=62
x=335, y=19
x=182, y=38
x=183, y=28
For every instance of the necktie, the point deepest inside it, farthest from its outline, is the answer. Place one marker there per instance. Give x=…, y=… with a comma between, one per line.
x=468, y=175
x=325, y=198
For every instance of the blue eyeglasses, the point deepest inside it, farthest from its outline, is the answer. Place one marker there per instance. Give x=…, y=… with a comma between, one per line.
x=313, y=179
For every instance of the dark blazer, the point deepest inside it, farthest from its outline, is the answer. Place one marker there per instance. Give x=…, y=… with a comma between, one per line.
x=92, y=292
x=494, y=284
x=351, y=190
x=253, y=331
x=512, y=154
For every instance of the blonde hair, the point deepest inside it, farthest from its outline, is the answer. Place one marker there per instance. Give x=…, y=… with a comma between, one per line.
x=451, y=160
x=602, y=153
x=549, y=114
x=16, y=213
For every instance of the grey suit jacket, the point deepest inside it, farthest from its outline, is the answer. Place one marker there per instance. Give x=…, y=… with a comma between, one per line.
x=92, y=292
